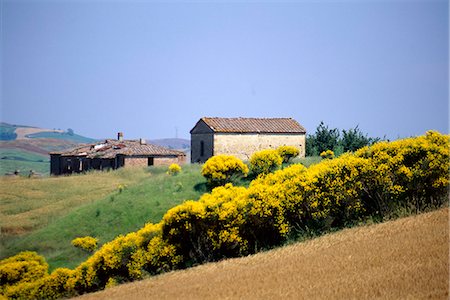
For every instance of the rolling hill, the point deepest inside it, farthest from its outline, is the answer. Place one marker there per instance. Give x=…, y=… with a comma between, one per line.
x=24, y=148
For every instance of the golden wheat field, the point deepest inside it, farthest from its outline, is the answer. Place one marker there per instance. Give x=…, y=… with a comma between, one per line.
x=405, y=258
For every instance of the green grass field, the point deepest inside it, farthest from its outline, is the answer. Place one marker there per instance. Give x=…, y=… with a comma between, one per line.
x=7, y=132
x=61, y=135
x=17, y=159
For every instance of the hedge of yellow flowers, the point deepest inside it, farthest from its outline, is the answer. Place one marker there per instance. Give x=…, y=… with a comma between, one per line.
x=233, y=221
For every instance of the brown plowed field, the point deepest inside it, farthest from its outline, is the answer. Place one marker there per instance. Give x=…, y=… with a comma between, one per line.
x=39, y=146
x=403, y=259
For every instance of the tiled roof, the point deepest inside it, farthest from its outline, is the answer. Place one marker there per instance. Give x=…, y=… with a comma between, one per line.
x=111, y=148
x=254, y=125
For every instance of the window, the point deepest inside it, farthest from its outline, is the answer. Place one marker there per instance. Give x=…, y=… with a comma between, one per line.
x=202, y=148
x=150, y=161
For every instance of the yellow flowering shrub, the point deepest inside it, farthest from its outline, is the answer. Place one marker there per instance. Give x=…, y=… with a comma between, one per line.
x=265, y=223
x=113, y=260
x=25, y=267
x=288, y=152
x=221, y=169
x=121, y=188
x=334, y=190
x=53, y=286
x=205, y=230
x=174, y=169
x=159, y=256
x=265, y=161
x=86, y=243
x=411, y=172
x=329, y=154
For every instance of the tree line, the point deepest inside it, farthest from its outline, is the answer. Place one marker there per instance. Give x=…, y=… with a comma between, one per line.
x=326, y=138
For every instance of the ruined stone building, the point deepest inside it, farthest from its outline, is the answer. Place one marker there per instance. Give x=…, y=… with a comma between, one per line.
x=241, y=137
x=112, y=154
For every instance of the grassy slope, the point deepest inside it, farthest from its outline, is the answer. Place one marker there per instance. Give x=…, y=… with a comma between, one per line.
x=61, y=136
x=7, y=131
x=406, y=258
x=17, y=159
x=23, y=151
x=69, y=207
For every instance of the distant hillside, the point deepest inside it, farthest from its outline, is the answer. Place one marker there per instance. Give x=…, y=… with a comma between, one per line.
x=10, y=132
x=173, y=143
x=26, y=148
x=7, y=132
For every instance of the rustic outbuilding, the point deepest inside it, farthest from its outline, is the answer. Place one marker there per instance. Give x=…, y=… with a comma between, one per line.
x=113, y=154
x=242, y=137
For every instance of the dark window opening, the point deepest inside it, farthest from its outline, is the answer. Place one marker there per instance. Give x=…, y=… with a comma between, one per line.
x=202, y=148
x=150, y=161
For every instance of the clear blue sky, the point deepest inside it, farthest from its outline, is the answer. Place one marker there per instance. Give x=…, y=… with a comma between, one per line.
x=147, y=68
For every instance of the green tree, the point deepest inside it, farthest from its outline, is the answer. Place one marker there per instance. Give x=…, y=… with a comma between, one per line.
x=323, y=139
x=330, y=139
x=70, y=131
x=354, y=139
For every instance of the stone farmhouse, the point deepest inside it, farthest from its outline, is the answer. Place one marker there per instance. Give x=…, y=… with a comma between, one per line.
x=113, y=154
x=241, y=137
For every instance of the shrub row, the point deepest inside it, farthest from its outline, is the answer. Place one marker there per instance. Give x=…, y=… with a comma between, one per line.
x=233, y=221
x=222, y=169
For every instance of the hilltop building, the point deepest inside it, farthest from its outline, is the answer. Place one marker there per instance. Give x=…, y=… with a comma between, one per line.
x=242, y=137
x=113, y=154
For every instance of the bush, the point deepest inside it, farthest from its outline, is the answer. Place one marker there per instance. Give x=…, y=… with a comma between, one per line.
x=86, y=243
x=222, y=169
x=265, y=161
x=24, y=267
x=287, y=152
x=53, y=286
x=174, y=169
x=410, y=173
x=208, y=229
x=329, y=154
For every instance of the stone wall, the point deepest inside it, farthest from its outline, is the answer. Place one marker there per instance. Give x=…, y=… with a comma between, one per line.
x=136, y=162
x=244, y=145
x=208, y=145
x=157, y=161
x=167, y=161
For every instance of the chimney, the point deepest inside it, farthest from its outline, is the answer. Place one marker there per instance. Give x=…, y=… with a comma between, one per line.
x=143, y=142
x=120, y=136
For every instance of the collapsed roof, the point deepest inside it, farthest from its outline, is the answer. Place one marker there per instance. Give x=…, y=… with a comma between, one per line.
x=112, y=148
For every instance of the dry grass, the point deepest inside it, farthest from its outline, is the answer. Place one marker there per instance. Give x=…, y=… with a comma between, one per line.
x=22, y=132
x=406, y=258
x=27, y=204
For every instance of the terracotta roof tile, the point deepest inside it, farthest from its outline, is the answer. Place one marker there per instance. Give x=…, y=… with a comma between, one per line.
x=111, y=148
x=254, y=125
